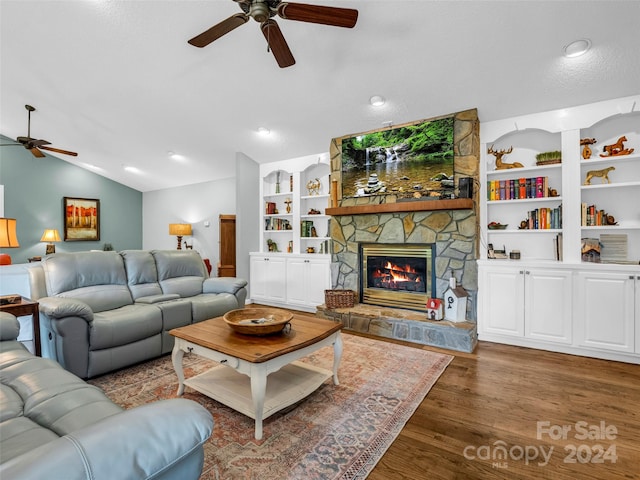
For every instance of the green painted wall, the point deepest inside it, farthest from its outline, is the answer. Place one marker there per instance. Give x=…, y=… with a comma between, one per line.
x=33, y=193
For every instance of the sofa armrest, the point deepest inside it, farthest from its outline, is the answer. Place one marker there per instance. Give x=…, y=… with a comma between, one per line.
x=223, y=285
x=60, y=307
x=9, y=327
x=141, y=443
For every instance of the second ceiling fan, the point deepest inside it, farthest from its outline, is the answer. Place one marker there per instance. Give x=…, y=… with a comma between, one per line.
x=262, y=12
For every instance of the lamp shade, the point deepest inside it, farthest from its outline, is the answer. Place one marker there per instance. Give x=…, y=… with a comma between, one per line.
x=8, y=236
x=50, y=235
x=180, y=229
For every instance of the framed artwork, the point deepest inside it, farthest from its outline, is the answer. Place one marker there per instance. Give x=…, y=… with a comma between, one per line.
x=81, y=219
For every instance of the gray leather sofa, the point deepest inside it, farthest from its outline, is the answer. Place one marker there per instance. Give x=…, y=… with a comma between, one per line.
x=101, y=311
x=54, y=425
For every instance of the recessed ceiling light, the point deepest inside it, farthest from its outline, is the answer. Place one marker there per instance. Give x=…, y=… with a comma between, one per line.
x=264, y=131
x=377, y=101
x=577, y=48
x=131, y=169
x=175, y=156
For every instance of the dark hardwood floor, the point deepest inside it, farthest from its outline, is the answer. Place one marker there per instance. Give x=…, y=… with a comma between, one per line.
x=505, y=412
x=573, y=417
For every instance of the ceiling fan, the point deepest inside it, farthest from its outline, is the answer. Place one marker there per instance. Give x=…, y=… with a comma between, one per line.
x=35, y=146
x=262, y=12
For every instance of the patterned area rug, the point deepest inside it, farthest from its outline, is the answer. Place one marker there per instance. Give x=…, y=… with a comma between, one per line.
x=338, y=432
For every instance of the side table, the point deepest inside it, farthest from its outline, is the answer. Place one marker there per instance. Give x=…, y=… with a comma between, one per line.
x=26, y=306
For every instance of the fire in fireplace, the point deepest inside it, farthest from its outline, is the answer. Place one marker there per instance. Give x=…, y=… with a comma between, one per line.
x=397, y=275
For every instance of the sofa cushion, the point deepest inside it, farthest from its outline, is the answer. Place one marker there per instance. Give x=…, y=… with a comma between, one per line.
x=180, y=272
x=142, y=275
x=211, y=305
x=124, y=325
x=21, y=434
x=98, y=278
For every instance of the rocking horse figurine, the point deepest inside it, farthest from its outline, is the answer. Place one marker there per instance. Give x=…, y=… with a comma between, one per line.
x=500, y=165
x=617, y=149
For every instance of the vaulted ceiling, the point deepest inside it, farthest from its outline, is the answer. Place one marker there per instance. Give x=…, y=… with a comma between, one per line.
x=117, y=82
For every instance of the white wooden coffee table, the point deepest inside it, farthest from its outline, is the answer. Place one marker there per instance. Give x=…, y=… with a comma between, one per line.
x=246, y=362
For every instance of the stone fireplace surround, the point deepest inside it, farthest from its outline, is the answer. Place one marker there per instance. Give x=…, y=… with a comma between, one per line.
x=451, y=225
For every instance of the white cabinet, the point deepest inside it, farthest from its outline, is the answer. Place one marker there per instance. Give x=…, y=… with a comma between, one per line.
x=307, y=279
x=267, y=278
x=607, y=310
x=522, y=301
x=289, y=280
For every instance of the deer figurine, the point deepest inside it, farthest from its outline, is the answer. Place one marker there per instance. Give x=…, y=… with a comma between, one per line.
x=500, y=165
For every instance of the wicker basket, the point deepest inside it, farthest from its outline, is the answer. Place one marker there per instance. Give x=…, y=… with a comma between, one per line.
x=339, y=298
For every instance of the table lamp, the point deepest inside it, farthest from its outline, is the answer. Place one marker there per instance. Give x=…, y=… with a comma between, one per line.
x=8, y=238
x=179, y=229
x=50, y=235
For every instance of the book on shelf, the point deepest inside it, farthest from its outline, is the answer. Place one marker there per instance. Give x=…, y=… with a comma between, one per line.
x=557, y=243
x=306, y=228
x=270, y=208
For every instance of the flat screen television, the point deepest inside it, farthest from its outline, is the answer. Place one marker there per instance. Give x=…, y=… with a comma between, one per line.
x=411, y=161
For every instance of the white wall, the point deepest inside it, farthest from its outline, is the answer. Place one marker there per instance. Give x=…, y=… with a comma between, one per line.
x=194, y=204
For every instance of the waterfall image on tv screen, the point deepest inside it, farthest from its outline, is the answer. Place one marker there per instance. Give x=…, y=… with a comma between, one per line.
x=414, y=160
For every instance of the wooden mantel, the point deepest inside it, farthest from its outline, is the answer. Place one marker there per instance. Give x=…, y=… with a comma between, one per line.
x=417, y=206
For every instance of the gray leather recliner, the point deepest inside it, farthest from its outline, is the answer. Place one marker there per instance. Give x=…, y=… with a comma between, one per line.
x=101, y=311
x=54, y=425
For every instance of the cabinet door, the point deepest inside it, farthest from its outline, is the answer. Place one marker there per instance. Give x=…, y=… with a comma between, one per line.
x=268, y=277
x=319, y=279
x=605, y=310
x=307, y=280
x=501, y=291
x=548, y=305
x=258, y=277
x=296, y=281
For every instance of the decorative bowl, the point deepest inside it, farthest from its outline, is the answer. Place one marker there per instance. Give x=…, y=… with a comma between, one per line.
x=257, y=321
x=497, y=226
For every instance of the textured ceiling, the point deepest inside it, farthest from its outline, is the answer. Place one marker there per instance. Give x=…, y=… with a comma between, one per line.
x=117, y=82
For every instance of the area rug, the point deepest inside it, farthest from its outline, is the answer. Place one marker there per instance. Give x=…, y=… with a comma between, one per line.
x=338, y=432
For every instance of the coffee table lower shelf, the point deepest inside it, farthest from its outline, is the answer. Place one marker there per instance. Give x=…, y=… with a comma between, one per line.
x=290, y=384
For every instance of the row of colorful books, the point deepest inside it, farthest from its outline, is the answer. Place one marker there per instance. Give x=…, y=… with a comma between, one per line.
x=544, y=218
x=518, y=188
x=592, y=217
x=275, y=223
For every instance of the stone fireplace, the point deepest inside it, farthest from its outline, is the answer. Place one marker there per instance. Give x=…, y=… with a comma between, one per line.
x=449, y=227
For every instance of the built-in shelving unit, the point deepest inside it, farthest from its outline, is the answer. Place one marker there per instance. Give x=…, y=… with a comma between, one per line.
x=292, y=267
x=576, y=286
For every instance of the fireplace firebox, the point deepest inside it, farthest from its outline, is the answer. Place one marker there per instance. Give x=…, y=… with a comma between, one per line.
x=397, y=275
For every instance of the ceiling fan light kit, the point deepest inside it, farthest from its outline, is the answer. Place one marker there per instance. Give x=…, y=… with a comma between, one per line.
x=263, y=11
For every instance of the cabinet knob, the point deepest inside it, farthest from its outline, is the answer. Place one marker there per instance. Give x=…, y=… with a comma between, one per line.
x=631, y=277
x=521, y=272
x=527, y=272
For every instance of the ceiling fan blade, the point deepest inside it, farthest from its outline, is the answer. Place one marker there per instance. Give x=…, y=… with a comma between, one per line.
x=57, y=150
x=277, y=44
x=302, y=12
x=36, y=152
x=217, y=31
